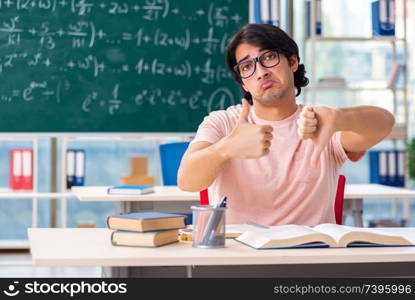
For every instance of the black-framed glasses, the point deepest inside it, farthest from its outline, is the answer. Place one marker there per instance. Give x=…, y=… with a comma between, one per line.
x=247, y=67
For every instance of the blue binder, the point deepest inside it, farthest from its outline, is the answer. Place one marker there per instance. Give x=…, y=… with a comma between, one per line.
x=383, y=17
x=400, y=168
x=267, y=12
x=383, y=168
x=317, y=17
x=79, y=179
x=392, y=169
x=374, y=166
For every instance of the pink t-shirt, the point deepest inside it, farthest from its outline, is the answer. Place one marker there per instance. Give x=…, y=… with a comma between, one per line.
x=280, y=187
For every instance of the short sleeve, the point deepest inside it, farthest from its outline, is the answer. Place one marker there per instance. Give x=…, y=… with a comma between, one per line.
x=211, y=129
x=340, y=155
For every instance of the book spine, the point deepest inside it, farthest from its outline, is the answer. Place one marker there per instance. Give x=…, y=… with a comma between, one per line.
x=108, y=222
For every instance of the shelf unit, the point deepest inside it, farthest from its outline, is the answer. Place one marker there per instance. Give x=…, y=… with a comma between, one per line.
x=400, y=131
x=7, y=193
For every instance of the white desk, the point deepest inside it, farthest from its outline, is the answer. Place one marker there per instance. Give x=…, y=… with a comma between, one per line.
x=355, y=193
x=92, y=247
x=165, y=198
x=172, y=199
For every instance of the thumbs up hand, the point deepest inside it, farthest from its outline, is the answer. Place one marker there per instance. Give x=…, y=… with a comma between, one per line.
x=248, y=140
x=317, y=124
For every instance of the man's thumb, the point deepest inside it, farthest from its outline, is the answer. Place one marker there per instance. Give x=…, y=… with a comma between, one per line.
x=315, y=157
x=243, y=117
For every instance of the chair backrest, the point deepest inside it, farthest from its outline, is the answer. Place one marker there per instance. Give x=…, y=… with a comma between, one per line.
x=170, y=157
x=338, y=204
x=204, y=197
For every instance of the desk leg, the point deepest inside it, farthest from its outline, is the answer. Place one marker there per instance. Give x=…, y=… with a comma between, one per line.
x=114, y=272
x=357, y=212
x=123, y=206
x=406, y=207
x=354, y=207
x=189, y=272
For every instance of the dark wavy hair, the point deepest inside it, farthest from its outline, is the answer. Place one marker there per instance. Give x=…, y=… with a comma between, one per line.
x=265, y=36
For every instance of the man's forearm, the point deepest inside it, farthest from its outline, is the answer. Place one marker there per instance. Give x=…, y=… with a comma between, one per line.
x=369, y=124
x=200, y=168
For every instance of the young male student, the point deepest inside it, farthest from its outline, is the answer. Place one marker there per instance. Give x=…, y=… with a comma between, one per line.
x=276, y=161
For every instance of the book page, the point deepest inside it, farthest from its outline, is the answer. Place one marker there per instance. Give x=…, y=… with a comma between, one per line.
x=234, y=230
x=346, y=235
x=284, y=236
x=334, y=230
x=394, y=235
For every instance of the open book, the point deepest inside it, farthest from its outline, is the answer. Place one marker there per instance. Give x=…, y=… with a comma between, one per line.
x=326, y=235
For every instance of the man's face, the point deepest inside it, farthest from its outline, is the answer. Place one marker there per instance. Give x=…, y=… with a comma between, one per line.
x=267, y=85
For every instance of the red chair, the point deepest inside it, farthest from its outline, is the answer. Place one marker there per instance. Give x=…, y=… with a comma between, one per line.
x=338, y=203
x=204, y=197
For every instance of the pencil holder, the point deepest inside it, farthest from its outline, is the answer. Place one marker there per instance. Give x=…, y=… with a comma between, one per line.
x=208, y=226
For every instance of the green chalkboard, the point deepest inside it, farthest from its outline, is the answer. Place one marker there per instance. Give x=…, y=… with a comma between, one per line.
x=115, y=66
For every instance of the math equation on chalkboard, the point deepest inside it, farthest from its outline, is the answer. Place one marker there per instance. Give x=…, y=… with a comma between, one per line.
x=150, y=65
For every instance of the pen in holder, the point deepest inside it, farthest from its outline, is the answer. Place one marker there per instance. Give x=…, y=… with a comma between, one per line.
x=208, y=226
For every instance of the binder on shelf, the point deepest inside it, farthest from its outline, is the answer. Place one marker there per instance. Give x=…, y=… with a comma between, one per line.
x=79, y=179
x=316, y=13
x=15, y=171
x=387, y=167
x=27, y=169
x=21, y=169
x=392, y=169
x=400, y=158
x=383, y=168
x=374, y=166
x=383, y=17
x=70, y=168
x=267, y=12
x=75, y=168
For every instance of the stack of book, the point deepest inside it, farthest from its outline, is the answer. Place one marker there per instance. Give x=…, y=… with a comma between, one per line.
x=145, y=229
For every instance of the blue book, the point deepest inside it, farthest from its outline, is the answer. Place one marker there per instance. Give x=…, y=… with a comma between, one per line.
x=383, y=17
x=145, y=221
x=130, y=189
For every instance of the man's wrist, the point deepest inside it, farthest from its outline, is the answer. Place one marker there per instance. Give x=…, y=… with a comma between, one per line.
x=222, y=149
